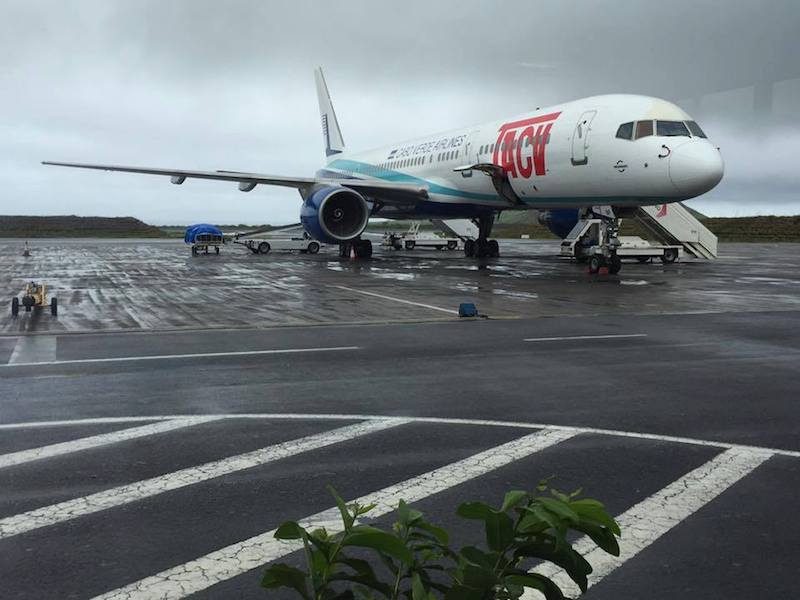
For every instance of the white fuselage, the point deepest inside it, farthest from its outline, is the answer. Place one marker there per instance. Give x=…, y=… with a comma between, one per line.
x=571, y=155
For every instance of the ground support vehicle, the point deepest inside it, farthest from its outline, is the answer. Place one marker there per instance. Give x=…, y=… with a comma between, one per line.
x=304, y=244
x=34, y=297
x=413, y=238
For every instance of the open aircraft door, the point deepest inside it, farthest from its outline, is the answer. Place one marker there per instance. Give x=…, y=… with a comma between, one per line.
x=580, y=138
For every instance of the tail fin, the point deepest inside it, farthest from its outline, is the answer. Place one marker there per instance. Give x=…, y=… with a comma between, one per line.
x=334, y=143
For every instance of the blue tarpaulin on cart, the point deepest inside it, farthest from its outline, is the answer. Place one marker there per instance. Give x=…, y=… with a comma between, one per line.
x=194, y=230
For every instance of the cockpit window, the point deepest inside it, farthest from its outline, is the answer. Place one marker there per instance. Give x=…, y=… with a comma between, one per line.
x=643, y=129
x=695, y=129
x=671, y=129
x=625, y=131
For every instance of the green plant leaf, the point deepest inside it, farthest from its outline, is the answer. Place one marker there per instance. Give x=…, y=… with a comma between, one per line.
x=564, y=556
x=499, y=531
x=594, y=510
x=474, y=510
x=418, y=591
x=347, y=518
x=463, y=592
x=437, y=532
x=559, y=507
x=371, y=537
x=538, y=582
x=369, y=582
x=601, y=536
x=477, y=556
x=282, y=575
x=290, y=530
x=512, y=499
x=479, y=578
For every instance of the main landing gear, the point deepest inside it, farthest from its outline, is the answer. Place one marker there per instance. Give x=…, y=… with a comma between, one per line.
x=482, y=247
x=361, y=248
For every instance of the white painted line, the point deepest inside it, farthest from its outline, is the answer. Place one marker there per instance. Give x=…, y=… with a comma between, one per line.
x=86, y=505
x=172, y=356
x=586, y=337
x=443, y=420
x=223, y=564
x=34, y=348
x=651, y=518
x=103, y=439
x=449, y=311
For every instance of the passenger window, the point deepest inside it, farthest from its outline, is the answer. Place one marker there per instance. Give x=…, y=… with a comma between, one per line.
x=695, y=129
x=671, y=128
x=643, y=129
x=625, y=131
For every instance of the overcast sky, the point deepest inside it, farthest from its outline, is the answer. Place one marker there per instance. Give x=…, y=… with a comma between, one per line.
x=202, y=84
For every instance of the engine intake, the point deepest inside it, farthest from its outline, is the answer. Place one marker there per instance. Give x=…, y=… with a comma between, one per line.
x=559, y=220
x=334, y=214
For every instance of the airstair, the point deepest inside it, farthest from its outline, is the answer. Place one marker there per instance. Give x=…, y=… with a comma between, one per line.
x=460, y=228
x=674, y=224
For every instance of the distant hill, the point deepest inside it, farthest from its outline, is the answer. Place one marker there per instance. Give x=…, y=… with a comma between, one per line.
x=77, y=227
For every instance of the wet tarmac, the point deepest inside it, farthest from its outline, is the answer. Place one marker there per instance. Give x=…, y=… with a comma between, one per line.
x=155, y=285
x=179, y=409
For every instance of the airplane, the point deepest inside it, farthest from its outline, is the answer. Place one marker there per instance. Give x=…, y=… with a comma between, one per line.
x=602, y=156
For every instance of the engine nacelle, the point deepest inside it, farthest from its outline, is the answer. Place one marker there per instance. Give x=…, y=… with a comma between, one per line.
x=559, y=220
x=334, y=214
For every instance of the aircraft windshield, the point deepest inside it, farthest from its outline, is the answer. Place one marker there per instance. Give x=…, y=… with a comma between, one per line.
x=672, y=128
x=695, y=129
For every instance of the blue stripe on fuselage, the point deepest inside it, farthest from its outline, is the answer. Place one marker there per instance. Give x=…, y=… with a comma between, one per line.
x=351, y=169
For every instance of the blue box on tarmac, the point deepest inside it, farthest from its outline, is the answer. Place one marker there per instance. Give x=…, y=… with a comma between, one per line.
x=467, y=309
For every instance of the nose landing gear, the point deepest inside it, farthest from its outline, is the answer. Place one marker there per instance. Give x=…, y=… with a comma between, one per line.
x=482, y=247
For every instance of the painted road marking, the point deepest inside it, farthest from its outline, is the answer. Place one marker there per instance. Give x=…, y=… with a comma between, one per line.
x=34, y=349
x=443, y=420
x=103, y=439
x=586, y=337
x=78, y=507
x=449, y=311
x=651, y=518
x=80, y=361
x=233, y=560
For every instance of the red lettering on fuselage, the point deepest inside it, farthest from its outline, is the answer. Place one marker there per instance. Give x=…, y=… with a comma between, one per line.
x=523, y=155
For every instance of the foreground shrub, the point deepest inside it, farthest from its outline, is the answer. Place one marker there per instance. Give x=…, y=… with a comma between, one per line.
x=414, y=560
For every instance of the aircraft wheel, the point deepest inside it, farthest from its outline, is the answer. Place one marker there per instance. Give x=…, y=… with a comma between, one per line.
x=410, y=244
x=263, y=248
x=469, y=248
x=363, y=248
x=452, y=245
x=15, y=306
x=217, y=249
x=614, y=265
x=493, y=248
x=594, y=264
x=313, y=248
x=194, y=251
x=54, y=306
x=670, y=256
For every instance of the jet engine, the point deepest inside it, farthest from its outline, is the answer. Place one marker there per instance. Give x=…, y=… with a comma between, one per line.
x=334, y=214
x=559, y=220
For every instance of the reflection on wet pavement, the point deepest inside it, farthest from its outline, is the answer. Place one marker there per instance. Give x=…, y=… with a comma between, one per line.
x=130, y=284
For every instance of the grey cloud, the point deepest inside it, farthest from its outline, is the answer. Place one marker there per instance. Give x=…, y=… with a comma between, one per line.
x=205, y=84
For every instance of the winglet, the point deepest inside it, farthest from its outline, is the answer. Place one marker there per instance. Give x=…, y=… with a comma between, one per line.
x=334, y=143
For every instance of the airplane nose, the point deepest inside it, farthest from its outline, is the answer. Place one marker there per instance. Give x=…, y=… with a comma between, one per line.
x=695, y=167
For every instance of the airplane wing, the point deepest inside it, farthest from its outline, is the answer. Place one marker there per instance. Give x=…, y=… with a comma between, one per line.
x=385, y=191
